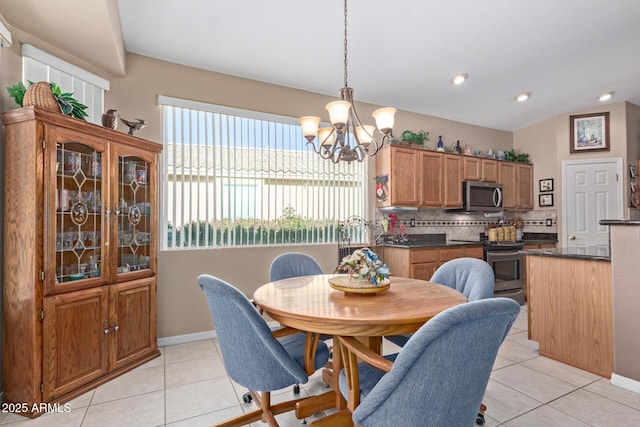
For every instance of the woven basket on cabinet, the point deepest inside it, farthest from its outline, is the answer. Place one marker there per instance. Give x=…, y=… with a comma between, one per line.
x=40, y=95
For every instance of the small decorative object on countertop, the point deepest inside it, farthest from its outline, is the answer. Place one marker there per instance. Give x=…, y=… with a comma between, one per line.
x=457, y=148
x=135, y=124
x=110, y=119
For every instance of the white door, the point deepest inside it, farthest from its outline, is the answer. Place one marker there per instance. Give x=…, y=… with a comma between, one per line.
x=592, y=190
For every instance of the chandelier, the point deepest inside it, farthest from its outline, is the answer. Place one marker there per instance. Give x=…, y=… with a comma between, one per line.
x=347, y=139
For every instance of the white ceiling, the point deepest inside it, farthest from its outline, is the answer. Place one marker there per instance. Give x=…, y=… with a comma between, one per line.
x=403, y=52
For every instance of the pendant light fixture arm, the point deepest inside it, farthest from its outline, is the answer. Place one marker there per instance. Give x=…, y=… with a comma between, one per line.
x=346, y=127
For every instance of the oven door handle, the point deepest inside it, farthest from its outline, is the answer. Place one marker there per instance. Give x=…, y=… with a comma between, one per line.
x=503, y=253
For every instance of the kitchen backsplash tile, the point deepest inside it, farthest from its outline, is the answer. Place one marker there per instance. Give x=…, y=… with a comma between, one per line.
x=468, y=226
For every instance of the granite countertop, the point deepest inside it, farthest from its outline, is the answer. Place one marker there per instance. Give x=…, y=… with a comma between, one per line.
x=590, y=253
x=414, y=245
x=440, y=240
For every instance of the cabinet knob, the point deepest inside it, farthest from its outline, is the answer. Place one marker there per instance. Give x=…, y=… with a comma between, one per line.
x=572, y=237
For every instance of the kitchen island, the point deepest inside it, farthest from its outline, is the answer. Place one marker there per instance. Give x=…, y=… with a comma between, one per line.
x=570, y=306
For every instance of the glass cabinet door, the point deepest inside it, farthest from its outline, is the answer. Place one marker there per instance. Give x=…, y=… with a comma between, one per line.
x=79, y=222
x=134, y=214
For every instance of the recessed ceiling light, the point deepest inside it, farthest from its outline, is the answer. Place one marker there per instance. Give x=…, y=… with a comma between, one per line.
x=459, y=78
x=523, y=97
x=605, y=96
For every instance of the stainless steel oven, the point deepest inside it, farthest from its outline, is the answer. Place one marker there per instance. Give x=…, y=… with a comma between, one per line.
x=508, y=267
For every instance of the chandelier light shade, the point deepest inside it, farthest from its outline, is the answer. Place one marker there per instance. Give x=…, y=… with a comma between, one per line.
x=347, y=139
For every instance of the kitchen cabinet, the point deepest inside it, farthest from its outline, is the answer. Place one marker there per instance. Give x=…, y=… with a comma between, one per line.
x=425, y=178
x=415, y=176
x=401, y=166
x=489, y=170
x=517, y=182
x=80, y=299
x=479, y=169
x=430, y=182
x=452, y=180
x=421, y=263
x=524, y=178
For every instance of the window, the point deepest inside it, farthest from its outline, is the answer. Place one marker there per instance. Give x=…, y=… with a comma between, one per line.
x=86, y=87
x=237, y=178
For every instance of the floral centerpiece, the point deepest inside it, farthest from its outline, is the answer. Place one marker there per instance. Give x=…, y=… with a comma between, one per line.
x=366, y=266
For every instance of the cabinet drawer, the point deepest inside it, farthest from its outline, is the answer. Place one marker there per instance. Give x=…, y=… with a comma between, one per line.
x=474, y=252
x=423, y=255
x=447, y=254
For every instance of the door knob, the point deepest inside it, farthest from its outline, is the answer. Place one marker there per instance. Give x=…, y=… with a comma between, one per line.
x=572, y=237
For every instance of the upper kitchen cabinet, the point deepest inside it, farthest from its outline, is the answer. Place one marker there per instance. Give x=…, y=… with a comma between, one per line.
x=401, y=166
x=425, y=178
x=415, y=176
x=479, y=169
x=517, y=181
x=452, y=180
x=80, y=299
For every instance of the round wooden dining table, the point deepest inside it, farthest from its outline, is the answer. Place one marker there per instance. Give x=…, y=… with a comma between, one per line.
x=310, y=304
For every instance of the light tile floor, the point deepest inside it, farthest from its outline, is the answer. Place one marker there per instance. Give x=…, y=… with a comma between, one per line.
x=187, y=387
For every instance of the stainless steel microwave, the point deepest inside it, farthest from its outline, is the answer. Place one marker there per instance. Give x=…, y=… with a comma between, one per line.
x=480, y=196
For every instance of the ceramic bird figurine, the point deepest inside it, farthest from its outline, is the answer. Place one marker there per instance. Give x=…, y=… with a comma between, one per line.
x=135, y=124
x=110, y=119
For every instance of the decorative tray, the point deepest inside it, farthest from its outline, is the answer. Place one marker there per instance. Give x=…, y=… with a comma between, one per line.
x=348, y=284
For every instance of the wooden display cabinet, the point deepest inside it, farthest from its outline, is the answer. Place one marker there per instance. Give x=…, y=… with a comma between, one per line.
x=80, y=248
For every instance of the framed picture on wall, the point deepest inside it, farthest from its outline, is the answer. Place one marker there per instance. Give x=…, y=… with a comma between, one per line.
x=545, y=200
x=546, y=185
x=589, y=132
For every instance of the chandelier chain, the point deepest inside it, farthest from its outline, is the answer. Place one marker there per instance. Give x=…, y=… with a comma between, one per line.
x=345, y=44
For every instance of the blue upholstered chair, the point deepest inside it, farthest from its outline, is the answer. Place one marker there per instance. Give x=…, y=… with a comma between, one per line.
x=471, y=276
x=252, y=356
x=296, y=264
x=293, y=264
x=440, y=375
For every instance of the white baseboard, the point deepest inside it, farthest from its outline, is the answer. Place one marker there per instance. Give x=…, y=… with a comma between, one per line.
x=181, y=339
x=626, y=383
x=196, y=336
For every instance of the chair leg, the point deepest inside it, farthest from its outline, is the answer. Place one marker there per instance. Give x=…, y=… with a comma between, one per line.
x=265, y=412
x=480, y=417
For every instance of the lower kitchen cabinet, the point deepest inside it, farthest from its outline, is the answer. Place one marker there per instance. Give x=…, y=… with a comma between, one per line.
x=421, y=263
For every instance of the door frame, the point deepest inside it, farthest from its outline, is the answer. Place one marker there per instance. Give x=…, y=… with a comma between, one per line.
x=619, y=189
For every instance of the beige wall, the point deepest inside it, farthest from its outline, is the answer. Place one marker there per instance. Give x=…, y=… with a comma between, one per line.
x=547, y=143
x=181, y=308
x=181, y=305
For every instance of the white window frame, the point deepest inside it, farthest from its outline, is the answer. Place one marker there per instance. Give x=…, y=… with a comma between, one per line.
x=359, y=207
x=87, y=88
